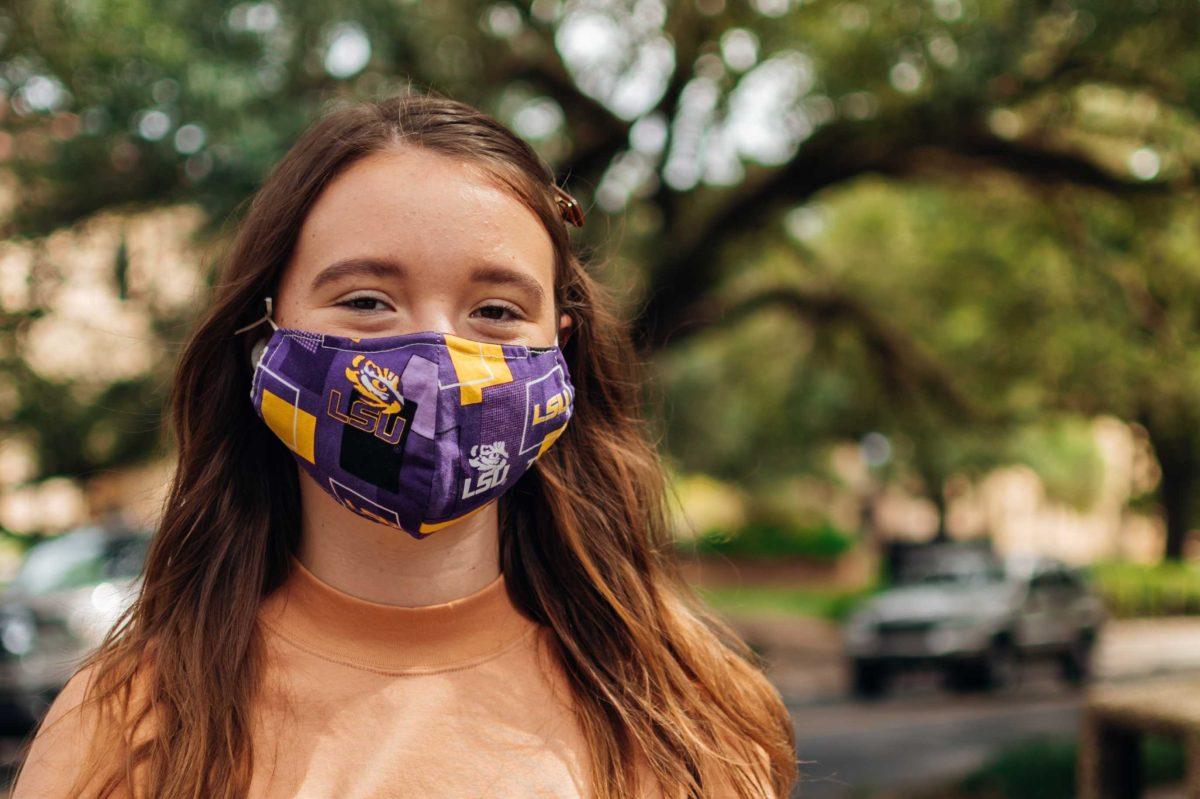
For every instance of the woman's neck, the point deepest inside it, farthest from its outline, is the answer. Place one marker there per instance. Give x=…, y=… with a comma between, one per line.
x=381, y=564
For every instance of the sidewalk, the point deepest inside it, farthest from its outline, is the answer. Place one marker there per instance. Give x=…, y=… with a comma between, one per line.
x=804, y=655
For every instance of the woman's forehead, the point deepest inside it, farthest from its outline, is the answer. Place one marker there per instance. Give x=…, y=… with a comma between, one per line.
x=425, y=209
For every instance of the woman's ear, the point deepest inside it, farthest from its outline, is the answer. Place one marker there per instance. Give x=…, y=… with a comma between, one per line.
x=564, y=328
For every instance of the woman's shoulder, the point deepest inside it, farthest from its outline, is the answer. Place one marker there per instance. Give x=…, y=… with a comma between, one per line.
x=62, y=741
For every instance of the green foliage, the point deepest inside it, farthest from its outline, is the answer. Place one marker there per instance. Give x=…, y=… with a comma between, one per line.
x=1134, y=589
x=1036, y=769
x=770, y=539
x=738, y=402
x=1044, y=768
x=1063, y=452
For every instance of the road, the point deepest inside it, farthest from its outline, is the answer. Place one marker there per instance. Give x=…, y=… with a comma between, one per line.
x=922, y=734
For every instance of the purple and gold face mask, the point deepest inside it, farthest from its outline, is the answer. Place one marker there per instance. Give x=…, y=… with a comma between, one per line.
x=415, y=431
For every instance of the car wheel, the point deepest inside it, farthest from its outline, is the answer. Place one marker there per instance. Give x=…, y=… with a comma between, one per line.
x=869, y=678
x=1002, y=664
x=998, y=666
x=965, y=675
x=1075, y=664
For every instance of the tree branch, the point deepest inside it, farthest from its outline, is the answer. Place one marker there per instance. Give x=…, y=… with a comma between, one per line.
x=905, y=369
x=836, y=154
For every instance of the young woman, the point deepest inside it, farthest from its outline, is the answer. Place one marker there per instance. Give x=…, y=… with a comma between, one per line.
x=415, y=545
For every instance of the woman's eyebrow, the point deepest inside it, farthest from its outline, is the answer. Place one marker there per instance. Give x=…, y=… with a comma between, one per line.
x=501, y=275
x=358, y=265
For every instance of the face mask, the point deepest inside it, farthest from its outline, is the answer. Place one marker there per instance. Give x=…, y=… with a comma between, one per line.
x=415, y=431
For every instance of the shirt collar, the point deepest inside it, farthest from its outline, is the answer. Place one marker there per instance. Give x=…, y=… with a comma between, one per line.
x=338, y=626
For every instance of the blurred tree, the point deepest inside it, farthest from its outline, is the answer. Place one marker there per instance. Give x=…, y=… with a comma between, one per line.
x=755, y=397
x=1142, y=259
x=1023, y=308
x=706, y=123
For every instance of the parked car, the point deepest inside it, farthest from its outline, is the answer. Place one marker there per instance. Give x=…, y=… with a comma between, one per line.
x=977, y=617
x=67, y=593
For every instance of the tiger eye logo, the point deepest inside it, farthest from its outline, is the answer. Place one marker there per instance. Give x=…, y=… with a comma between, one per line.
x=378, y=385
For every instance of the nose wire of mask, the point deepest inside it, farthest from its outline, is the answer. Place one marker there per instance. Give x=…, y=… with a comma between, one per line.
x=413, y=431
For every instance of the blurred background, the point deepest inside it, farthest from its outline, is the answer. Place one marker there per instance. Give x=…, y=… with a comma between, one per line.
x=918, y=280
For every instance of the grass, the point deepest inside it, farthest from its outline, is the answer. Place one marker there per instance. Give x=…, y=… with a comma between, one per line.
x=1129, y=590
x=831, y=604
x=1162, y=589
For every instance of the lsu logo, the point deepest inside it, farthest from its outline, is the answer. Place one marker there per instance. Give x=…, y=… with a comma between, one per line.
x=490, y=462
x=376, y=406
x=555, y=406
x=378, y=385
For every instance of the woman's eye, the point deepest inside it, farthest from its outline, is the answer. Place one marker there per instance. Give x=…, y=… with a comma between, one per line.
x=350, y=303
x=489, y=312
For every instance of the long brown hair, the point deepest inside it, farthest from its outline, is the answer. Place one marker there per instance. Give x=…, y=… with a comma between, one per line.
x=584, y=541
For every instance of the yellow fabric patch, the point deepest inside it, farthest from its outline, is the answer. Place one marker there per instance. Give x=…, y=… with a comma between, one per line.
x=477, y=365
x=295, y=426
x=550, y=438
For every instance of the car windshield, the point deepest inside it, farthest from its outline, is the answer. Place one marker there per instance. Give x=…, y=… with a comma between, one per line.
x=959, y=577
x=957, y=571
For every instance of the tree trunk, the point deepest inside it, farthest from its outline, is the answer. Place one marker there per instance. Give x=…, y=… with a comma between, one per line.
x=929, y=468
x=1174, y=441
x=939, y=501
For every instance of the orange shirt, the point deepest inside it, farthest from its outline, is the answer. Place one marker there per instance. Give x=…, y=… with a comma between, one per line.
x=362, y=700
x=460, y=699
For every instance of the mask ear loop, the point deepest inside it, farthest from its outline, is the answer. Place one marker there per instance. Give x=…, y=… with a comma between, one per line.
x=264, y=318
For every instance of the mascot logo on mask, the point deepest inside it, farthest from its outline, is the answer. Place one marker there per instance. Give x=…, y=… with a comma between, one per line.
x=378, y=385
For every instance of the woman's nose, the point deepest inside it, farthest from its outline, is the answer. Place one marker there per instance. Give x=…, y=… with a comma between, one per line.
x=437, y=319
